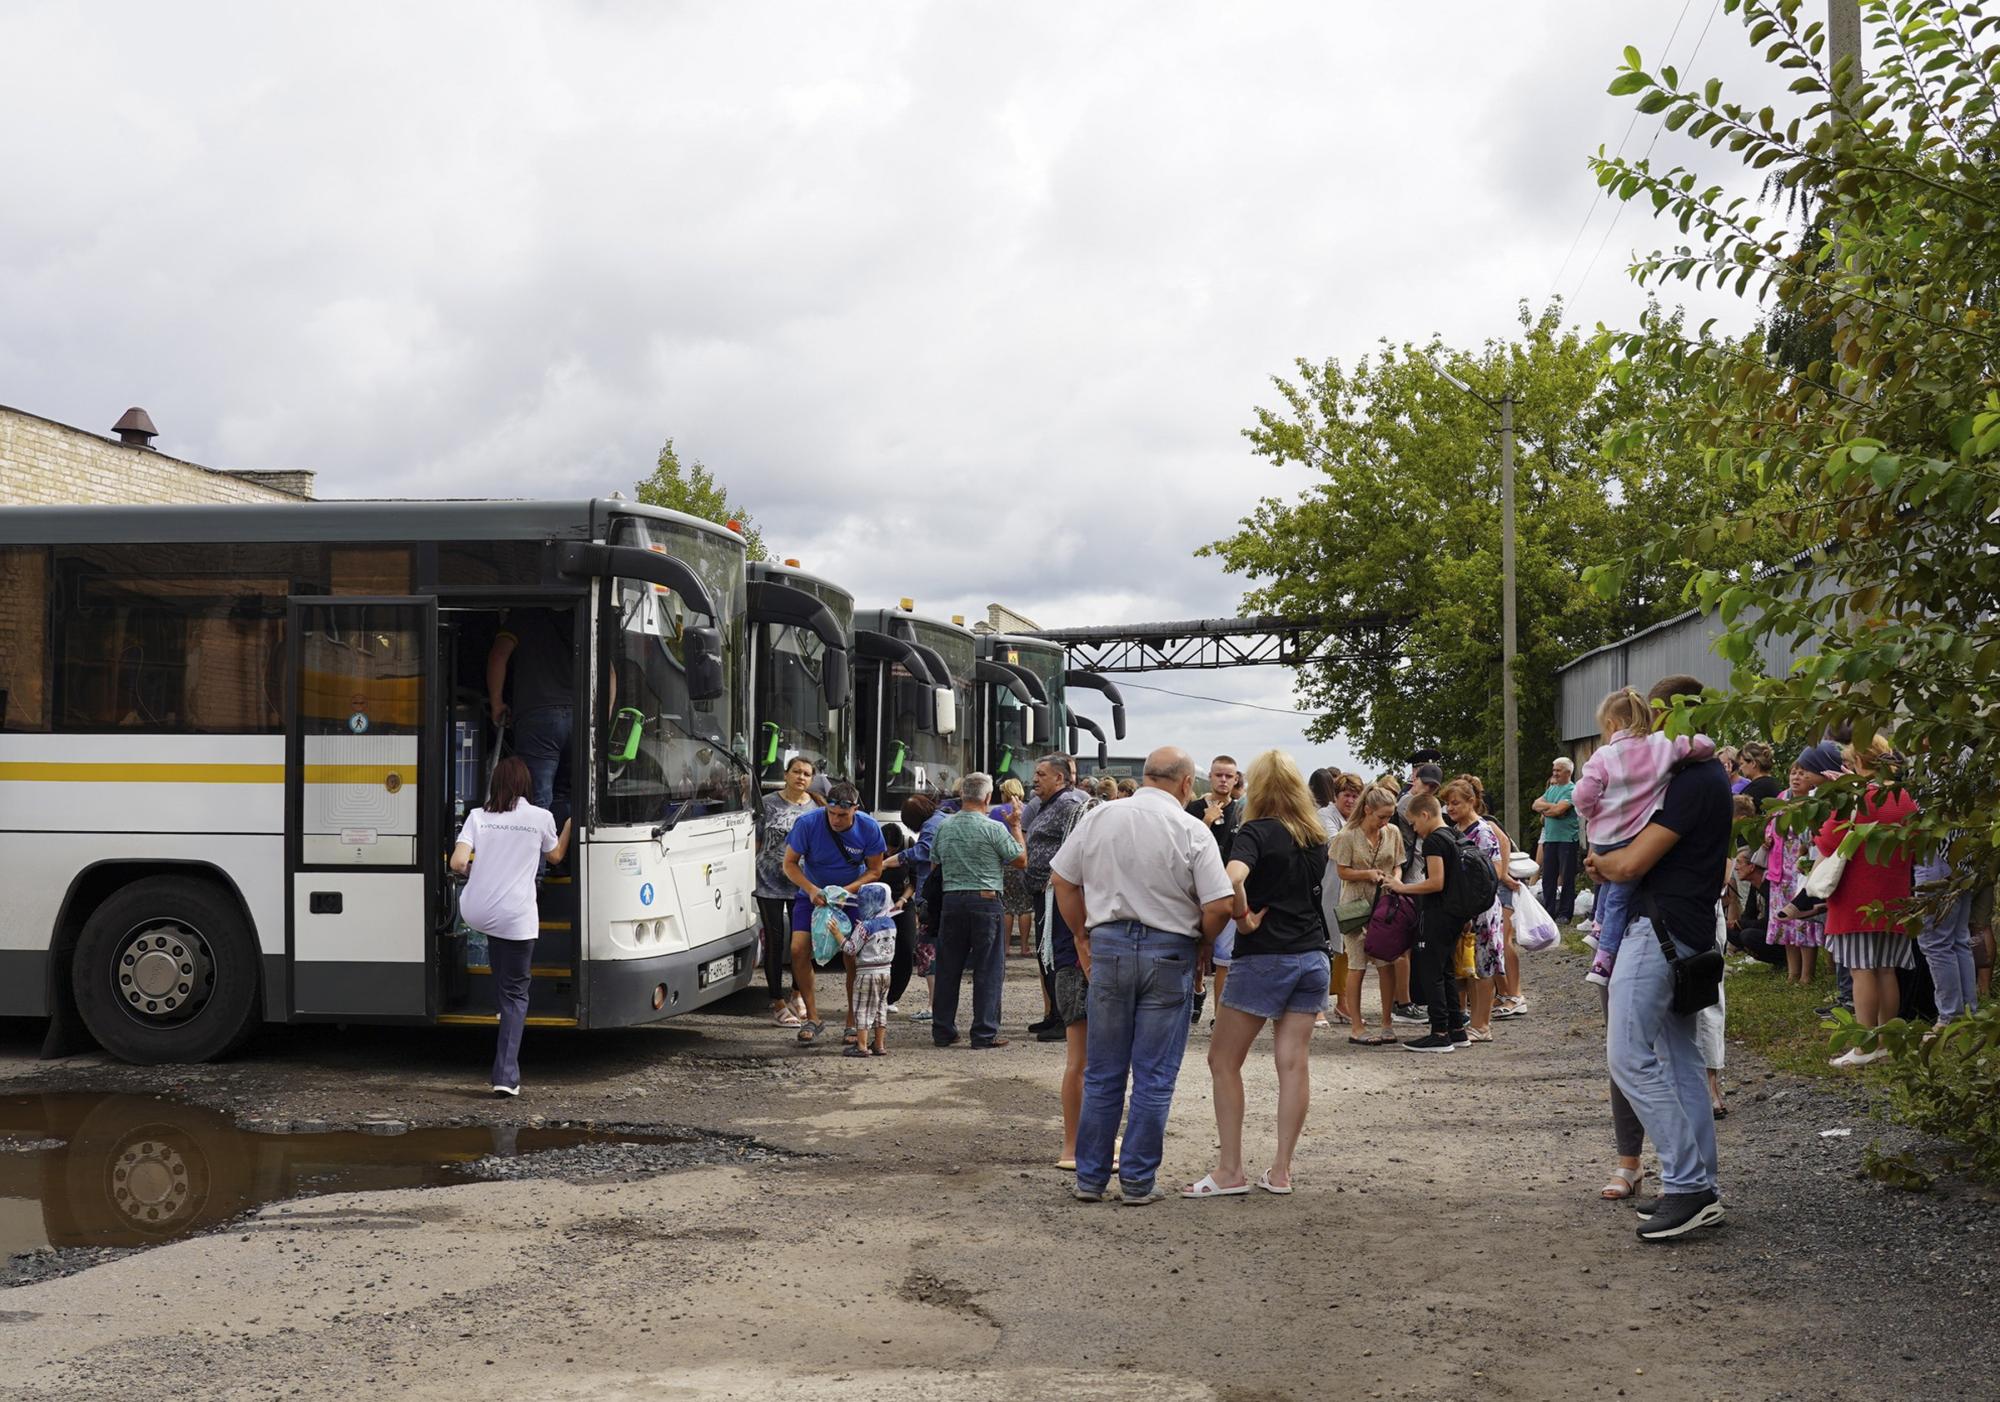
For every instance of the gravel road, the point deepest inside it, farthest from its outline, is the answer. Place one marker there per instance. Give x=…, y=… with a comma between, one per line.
x=898, y=1226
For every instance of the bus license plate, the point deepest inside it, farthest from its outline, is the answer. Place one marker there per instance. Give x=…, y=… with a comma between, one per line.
x=719, y=970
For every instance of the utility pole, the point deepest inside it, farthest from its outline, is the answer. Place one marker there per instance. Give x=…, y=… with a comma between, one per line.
x=1843, y=38
x=1510, y=715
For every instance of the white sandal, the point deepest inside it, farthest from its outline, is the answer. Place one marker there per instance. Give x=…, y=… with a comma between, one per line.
x=1624, y=1183
x=1209, y=1188
x=1264, y=1182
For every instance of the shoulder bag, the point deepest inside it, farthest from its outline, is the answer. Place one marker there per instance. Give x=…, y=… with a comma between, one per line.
x=1697, y=978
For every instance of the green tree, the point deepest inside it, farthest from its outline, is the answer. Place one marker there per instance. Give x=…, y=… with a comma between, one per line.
x=1402, y=528
x=692, y=488
x=1875, y=468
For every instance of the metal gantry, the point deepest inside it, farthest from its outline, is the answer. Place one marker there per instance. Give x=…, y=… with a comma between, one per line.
x=1207, y=644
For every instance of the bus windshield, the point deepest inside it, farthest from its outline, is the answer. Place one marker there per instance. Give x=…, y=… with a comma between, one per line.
x=667, y=755
x=930, y=763
x=791, y=698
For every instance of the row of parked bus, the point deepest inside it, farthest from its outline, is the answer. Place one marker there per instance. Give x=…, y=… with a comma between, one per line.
x=236, y=744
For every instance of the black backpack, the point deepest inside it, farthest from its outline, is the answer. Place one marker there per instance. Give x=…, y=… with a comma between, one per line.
x=1477, y=884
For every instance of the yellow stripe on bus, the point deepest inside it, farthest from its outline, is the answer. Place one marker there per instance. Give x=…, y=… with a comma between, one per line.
x=492, y=1019
x=99, y=772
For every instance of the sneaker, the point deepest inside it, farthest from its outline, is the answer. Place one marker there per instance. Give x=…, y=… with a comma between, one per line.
x=890, y=1010
x=1151, y=1195
x=1460, y=1037
x=1409, y=1012
x=514, y=1091
x=1435, y=1042
x=924, y=1016
x=1083, y=1194
x=1461, y=1019
x=1590, y=941
x=1677, y=1214
x=1042, y=1024
x=1053, y=1034
x=1601, y=980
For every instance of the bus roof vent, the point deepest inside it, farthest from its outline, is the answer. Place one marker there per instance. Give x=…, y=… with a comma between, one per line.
x=136, y=428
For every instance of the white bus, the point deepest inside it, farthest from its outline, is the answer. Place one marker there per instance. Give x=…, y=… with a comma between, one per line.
x=236, y=744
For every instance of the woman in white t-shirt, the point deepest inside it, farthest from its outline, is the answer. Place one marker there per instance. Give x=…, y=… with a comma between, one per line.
x=510, y=836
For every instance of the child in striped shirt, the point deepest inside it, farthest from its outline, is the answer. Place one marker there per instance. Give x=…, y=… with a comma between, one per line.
x=1618, y=792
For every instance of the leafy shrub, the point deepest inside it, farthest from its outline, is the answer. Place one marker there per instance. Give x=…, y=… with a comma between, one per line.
x=1944, y=1082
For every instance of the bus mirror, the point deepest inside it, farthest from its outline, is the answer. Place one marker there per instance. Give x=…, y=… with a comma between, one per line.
x=835, y=679
x=702, y=658
x=1028, y=736
x=947, y=712
x=627, y=727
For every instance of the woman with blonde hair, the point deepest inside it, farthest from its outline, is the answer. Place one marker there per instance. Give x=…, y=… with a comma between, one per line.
x=1017, y=903
x=1365, y=853
x=1280, y=972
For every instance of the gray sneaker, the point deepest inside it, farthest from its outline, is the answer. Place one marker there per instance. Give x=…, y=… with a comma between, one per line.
x=1152, y=1194
x=1083, y=1194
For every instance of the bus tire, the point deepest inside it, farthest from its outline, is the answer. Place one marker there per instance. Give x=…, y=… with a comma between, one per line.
x=166, y=970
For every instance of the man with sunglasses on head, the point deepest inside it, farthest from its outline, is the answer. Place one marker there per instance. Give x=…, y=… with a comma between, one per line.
x=837, y=845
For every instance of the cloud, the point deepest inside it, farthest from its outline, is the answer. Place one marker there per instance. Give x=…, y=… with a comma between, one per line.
x=967, y=303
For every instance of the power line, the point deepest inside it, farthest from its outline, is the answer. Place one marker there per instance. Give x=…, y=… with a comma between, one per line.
x=1615, y=214
x=1219, y=700
x=1598, y=198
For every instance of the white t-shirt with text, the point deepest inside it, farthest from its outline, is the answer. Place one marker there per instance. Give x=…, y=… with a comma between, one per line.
x=507, y=848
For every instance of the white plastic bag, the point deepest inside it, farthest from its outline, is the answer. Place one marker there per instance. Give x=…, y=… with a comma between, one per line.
x=1534, y=928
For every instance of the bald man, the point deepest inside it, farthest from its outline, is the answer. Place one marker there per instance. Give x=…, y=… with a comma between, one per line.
x=1143, y=886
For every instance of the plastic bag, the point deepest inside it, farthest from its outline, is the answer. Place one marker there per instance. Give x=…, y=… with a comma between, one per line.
x=1534, y=928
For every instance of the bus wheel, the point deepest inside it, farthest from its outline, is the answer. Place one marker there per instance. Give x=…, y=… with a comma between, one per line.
x=166, y=970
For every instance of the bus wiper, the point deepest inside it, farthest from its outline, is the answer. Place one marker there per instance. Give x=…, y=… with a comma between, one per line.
x=668, y=823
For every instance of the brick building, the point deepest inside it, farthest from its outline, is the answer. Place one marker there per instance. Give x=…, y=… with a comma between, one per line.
x=44, y=463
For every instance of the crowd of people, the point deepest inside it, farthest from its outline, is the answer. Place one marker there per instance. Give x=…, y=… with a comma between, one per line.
x=1268, y=896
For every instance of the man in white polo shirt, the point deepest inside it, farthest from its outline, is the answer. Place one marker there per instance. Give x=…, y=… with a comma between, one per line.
x=1143, y=886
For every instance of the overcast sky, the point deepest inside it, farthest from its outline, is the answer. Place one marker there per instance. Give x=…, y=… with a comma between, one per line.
x=967, y=302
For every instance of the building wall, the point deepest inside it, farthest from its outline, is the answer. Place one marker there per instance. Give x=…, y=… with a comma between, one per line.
x=44, y=463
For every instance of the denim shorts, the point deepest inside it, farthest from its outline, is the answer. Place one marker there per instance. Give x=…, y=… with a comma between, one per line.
x=1270, y=985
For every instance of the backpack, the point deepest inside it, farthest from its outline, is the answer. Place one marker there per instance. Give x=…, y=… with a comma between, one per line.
x=1477, y=885
x=1392, y=927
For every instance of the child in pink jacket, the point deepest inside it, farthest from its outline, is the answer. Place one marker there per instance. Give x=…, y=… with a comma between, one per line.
x=1618, y=792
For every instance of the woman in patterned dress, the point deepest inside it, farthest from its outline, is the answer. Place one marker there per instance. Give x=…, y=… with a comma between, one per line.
x=1789, y=857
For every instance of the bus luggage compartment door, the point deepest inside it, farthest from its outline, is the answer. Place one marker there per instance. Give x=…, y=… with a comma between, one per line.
x=360, y=774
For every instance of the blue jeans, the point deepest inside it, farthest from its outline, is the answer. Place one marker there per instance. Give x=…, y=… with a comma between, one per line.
x=1947, y=947
x=511, y=962
x=969, y=936
x=1613, y=911
x=1140, y=983
x=541, y=739
x=1656, y=1062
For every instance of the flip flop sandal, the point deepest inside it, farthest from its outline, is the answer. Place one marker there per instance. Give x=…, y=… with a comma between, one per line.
x=809, y=1031
x=1066, y=1165
x=1264, y=1182
x=785, y=1017
x=1209, y=1188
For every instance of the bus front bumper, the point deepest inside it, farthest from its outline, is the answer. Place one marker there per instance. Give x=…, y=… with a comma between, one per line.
x=625, y=992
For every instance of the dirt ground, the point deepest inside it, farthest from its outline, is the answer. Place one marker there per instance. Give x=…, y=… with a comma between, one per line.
x=1445, y=1240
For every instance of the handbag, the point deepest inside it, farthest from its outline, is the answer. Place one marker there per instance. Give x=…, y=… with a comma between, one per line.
x=1352, y=916
x=1824, y=878
x=1697, y=977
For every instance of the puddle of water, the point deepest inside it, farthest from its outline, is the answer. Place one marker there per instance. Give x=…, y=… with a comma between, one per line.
x=131, y=1170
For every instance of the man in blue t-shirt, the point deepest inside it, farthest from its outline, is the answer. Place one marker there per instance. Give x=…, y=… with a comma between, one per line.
x=833, y=846
x=1556, y=854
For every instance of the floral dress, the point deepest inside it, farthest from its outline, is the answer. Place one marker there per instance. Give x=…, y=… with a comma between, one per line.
x=1489, y=931
x=1786, y=869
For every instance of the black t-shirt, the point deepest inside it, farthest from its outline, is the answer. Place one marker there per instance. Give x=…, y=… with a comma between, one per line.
x=544, y=660
x=1762, y=789
x=1440, y=844
x=1687, y=881
x=1280, y=883
x=1223, y=829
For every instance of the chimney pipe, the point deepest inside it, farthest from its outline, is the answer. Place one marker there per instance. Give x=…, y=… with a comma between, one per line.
x=136, y=428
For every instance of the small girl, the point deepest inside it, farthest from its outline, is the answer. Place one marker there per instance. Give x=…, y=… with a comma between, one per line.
x=1790, y=854
x=872, y=942
x=1618, y=792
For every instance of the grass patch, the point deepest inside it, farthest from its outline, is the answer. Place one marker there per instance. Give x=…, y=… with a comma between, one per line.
x=1776, y=1018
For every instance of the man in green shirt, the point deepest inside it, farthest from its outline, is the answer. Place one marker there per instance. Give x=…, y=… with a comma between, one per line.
x=970, y=850
x=1559, y=846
